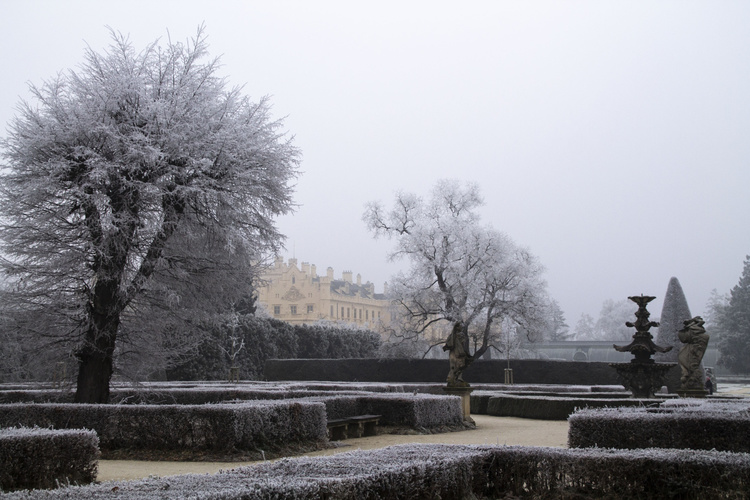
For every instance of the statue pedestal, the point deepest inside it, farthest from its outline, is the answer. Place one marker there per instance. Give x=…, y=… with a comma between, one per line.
x=465, y=394
x=692, y=393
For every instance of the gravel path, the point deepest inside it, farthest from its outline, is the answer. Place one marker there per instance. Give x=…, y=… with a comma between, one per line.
x=490, y=430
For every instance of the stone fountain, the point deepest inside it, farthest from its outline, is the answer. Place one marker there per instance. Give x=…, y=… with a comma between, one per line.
x=642, y=376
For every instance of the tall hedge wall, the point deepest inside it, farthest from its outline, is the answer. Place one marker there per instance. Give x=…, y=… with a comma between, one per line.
x=525, y=371
x=270, y=338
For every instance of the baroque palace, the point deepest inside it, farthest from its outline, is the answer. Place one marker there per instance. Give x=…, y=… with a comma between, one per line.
x=298, y=295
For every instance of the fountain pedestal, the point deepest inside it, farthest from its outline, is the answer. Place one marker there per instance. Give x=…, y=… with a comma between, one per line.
x=642, y=379
x=642, y=376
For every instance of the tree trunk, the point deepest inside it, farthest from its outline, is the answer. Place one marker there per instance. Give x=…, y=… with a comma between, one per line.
x=95, y=365
x=95, y=358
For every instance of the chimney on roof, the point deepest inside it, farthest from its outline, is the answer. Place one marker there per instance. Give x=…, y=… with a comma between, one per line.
x=385, y=288
x=306, y=267
x=347, y=276
x=313, y=271
x=359, y=279
x=329, y=273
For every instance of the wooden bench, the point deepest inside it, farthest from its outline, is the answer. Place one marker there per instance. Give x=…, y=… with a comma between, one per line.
x=353, y=427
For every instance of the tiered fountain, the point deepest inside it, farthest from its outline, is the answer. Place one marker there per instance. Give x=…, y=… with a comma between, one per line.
x=642, y=376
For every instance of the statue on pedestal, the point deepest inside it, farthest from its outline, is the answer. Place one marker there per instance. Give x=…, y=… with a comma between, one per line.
x=456, y=347
x=695, y=340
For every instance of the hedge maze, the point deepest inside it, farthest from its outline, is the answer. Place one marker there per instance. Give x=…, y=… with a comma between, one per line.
x=681, y=449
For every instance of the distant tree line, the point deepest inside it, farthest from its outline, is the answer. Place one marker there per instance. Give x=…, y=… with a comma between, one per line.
x=268, y=338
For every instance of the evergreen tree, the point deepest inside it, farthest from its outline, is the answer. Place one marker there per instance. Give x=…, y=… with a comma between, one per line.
x=674, y=311
x=733, y=326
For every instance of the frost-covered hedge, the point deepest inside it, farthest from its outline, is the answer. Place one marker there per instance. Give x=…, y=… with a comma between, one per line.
x=206, y=392
x=454, y=472
x=45, y=458
x=720, y=425
x=547, y=407
x=272, y=338
x=412, y=410
x=227, y=427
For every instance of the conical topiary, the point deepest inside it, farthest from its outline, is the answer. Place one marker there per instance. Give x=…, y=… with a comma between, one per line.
x=673, y=314
x=674, y=311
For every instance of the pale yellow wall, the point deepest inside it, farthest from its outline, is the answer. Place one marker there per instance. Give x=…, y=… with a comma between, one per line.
x=297, y=295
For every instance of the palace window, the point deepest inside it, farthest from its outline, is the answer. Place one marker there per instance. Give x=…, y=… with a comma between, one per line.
x=294, y=309
x=309, y=308
x=276, y=310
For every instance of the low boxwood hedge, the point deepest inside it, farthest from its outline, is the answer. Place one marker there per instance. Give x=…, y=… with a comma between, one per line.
x=225, y=428
x=453, y=472
x=708, y=425
x=46, y=458
x=548, y=407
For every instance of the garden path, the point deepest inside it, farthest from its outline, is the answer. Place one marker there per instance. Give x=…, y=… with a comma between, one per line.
x=490, y=430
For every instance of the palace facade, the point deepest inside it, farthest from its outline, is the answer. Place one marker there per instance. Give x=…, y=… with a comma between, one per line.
x=298, y=295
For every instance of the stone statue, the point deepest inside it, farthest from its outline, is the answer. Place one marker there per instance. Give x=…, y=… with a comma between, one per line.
x=456, y=347
x=695, y=340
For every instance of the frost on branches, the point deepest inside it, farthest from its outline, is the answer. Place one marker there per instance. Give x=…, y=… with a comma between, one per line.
x=461, y=271
x=138, y=183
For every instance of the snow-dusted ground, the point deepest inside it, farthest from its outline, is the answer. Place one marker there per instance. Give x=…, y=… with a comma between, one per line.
x=732, y=389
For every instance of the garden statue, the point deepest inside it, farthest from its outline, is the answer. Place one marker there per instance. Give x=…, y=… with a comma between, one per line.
x=695, y=340
x=456, y=347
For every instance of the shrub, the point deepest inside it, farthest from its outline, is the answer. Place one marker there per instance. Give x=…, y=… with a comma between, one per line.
x=418, y=410
x=454, y=472
x=225, y=428
x=549, y=407
x=45, y=458
x=720, y=425
x=267, y=338
x=526, y=371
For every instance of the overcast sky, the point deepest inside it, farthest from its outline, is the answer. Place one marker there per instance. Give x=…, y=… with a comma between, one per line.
x=610, y=138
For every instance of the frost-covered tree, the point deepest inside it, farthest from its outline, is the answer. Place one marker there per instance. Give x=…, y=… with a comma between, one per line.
x=733, y=325
x=612, y=319
x=555, y=327
x=121, y=182
x=461, y=272
x=716, y=302
x=674, y=313
x=585, y=328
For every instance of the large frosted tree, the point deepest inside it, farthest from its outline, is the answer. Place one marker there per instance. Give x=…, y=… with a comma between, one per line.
x=461, y=272
x=140, y=175
x=732, y=322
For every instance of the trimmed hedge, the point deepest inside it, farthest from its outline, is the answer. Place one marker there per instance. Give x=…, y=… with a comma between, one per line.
x=718, y=425
x=412, y=410
x=453, y=472
x=45, y=458
x=549, y=407
x=172, y=395
x=525, y=371
x=271, y=338
x=248, y=426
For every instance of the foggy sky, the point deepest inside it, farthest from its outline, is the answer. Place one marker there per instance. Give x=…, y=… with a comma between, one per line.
x=610, y=138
